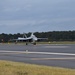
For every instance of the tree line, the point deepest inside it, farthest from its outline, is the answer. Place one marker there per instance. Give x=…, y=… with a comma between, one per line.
x=51, y=35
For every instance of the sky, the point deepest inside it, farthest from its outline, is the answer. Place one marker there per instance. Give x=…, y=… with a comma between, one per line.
x=18, y=16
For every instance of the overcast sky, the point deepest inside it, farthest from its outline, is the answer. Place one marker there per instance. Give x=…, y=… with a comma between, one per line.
x=18, y=16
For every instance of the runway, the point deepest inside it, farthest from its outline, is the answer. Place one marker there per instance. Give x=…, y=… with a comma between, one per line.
x=50, y=55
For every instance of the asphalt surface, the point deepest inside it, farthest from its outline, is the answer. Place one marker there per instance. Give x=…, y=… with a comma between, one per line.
x=50, y=55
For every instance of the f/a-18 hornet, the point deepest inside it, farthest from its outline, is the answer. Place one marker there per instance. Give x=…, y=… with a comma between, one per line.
x=33, y=39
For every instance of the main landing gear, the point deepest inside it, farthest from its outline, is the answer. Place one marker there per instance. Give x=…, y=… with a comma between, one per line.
x=34, y=43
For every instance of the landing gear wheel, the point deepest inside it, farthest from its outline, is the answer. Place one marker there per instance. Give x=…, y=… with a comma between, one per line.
x=34, y=43
x=26, y=43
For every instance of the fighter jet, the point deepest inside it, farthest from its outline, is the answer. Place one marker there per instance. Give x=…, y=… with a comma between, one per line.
x=33, y=39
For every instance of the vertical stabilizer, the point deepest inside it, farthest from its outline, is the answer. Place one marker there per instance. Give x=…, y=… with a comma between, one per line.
x=24, y=35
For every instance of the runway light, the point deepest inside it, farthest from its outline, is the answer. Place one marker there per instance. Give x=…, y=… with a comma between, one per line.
x=26, y=51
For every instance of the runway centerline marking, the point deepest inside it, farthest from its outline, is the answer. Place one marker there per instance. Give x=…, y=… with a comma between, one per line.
x=43, y=53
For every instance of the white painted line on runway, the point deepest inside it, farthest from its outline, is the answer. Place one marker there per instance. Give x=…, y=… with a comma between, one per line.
x=67, y=58
x=52, y=53
x=56, y=46
x=46, y=53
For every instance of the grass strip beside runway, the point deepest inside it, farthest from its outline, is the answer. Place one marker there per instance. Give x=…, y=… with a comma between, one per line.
x=15, y=68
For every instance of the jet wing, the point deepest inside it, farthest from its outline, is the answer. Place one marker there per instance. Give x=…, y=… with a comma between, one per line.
x=22, y=39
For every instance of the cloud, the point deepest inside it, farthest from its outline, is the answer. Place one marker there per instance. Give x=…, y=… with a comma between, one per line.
x=36, y=15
